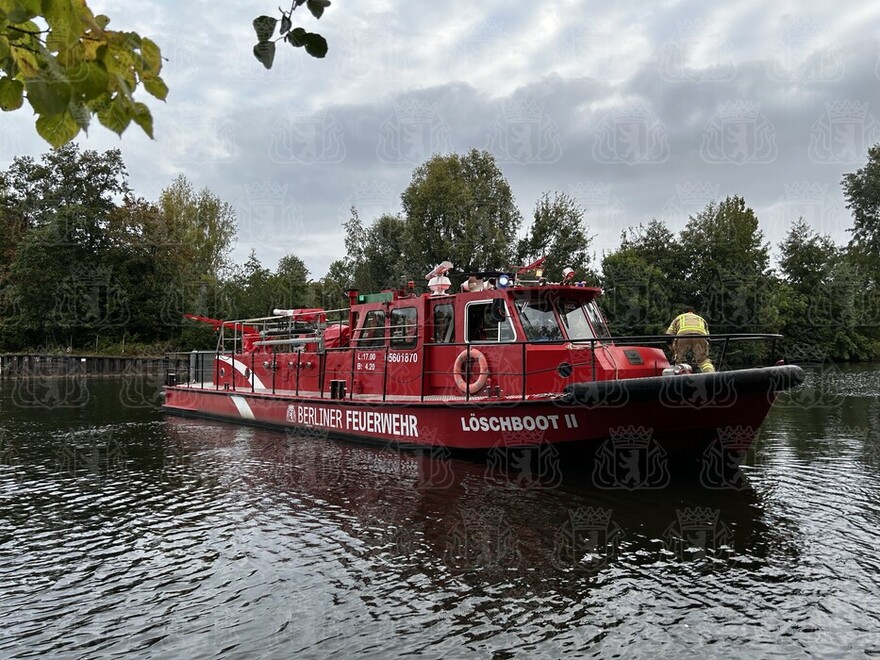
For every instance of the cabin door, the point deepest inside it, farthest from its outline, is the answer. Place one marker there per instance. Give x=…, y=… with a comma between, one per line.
x=440, y=347
x=370, y=352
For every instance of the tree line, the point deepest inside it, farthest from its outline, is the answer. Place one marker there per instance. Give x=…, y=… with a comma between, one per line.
x=85, y=265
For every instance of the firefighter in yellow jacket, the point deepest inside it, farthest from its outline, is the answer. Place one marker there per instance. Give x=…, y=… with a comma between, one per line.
x=691, y=332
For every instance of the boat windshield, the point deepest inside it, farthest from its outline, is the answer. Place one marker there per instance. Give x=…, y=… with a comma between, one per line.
x=574, y=316
x=582, y=320
x=597, y=318
x=538, y=320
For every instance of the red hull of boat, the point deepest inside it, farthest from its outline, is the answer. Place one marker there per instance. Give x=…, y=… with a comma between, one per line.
x=670, y=411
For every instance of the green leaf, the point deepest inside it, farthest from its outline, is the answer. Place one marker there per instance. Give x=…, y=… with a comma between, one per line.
x=57, y=129
x=316, y=45
x=317, y=7
x=81, y=115
x=117, y=116
x=11, y=94
x=89, y=80
x=157, y=87
x=152, y=55
x=143, y=118
x=48, y=97
x=64, y=23
x=265, y=53
x=4, y=47
x=297, y=37
x=264, y=26
x=285, y=24
x=23, y=10
x=102, y=20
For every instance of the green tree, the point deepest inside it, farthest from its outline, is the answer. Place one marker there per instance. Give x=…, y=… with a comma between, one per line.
x=61, y=58
x=807, y=268
x=199, y=226
x=559, y=233
x=60, y=280
x=461, y=209
x=644, y=280
x=862, y=192
x=383, y=255
x=290, y=284
x=727, y=268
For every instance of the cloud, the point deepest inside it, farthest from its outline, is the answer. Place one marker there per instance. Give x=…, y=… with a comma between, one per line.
x=638, y=113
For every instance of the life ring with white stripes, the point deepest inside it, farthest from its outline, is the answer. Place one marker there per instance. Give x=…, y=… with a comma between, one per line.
x=458, y=371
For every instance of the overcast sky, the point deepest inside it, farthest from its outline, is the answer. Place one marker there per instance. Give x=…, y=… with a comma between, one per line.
x=636, y=112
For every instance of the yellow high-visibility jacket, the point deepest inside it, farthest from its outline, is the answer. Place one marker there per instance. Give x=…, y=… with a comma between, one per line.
x=688, y=324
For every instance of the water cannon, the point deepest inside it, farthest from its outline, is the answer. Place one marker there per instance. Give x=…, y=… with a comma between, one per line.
x=438, y=283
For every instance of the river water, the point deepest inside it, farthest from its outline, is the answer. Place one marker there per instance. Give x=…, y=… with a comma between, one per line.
x=125, y=532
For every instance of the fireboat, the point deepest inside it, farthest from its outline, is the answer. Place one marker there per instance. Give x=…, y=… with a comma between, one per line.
x=503, y=362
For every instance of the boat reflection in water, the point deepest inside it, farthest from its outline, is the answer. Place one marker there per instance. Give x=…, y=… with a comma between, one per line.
x=455, y=517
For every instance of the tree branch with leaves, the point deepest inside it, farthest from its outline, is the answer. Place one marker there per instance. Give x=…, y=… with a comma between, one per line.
x=63, y=61
x=298, y=37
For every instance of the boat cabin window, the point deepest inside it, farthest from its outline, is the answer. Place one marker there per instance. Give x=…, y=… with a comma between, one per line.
x=444, y=327
x=582, y=320
x=484, y=324
x=403, y=327
x=373, y=331
x=574, y=318
x=597, y=318
x=538, y=320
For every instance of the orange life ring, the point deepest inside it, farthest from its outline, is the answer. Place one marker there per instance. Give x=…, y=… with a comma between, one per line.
x=457, y=369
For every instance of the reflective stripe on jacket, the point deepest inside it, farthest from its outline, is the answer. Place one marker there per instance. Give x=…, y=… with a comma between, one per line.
x=688, y=324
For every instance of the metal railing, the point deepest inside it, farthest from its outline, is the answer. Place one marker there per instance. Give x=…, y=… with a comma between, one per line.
x=201, y=364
